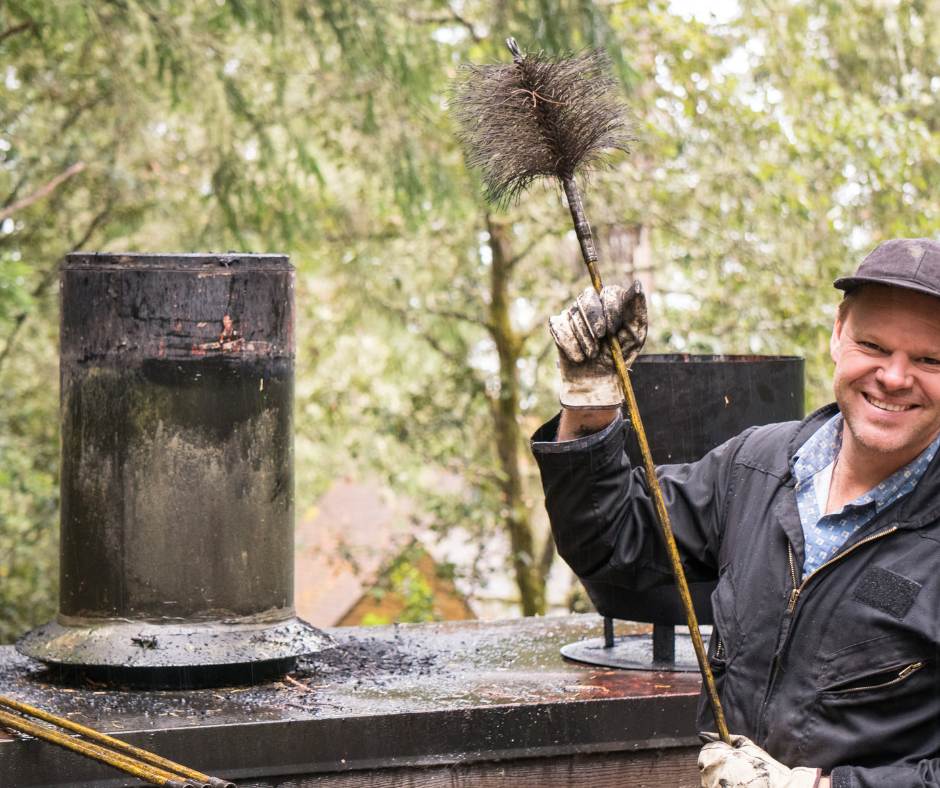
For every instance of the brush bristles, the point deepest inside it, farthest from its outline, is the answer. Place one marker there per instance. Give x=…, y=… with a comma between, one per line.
x=538, y=117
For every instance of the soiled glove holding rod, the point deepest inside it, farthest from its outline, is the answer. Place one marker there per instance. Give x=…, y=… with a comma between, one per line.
x=742, y=764
x=588, y=376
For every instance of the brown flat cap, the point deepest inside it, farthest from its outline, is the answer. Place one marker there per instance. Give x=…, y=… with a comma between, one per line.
x=911, y=263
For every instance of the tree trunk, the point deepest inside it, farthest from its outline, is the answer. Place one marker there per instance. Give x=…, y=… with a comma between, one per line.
x=517, y=520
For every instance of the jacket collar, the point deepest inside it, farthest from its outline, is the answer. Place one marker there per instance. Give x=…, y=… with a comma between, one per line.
x=809, y=426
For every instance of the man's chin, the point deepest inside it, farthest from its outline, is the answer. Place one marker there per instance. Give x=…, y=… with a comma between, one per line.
x=881, y=447
x=906, y=445
x=879, y=440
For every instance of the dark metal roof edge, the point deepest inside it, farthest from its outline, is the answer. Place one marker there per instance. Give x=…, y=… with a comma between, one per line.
x=285, y=737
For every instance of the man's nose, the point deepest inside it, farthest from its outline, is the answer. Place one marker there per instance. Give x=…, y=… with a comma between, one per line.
x=895, y=372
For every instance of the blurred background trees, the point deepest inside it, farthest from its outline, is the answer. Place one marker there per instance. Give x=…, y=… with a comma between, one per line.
x=773, y=147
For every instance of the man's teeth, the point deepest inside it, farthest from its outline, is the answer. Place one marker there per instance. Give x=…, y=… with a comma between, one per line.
x=887, y=405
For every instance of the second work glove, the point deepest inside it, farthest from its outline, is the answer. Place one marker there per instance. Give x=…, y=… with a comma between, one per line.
x=742, y=764
x=588, y=376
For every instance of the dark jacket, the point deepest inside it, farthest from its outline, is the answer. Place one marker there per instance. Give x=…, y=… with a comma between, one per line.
x=838, y=670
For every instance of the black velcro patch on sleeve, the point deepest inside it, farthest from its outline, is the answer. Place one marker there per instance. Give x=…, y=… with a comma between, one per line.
x=886, y=591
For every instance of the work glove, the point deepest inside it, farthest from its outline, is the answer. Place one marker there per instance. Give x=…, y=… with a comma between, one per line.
x=588, y=376
x=742, y=763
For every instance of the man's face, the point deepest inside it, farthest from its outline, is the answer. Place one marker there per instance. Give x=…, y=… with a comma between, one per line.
x=887, y=376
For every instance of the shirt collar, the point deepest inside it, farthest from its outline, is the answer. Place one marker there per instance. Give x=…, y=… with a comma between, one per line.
x=823, y=446
x=819, y=451
x=903, y=480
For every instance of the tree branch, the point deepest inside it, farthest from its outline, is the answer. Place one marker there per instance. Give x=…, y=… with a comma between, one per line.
x=453, y=358
x=15, y=190
x=12, y=31
x=449, y=314
x=405, y=315
x=72, y=118
x=511, y=263
x=43, y=191
x=451, y=16
x=462, y=317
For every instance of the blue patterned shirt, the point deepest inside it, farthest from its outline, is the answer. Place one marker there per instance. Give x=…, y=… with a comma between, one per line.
x=824, y=534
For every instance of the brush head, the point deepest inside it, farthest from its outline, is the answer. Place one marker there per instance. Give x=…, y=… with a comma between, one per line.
x=538, y=117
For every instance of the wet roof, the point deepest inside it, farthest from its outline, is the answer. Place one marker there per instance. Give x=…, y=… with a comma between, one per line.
x=401, y=694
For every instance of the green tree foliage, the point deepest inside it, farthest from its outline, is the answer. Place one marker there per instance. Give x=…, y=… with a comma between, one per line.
x=813, y=140
x=771, y=151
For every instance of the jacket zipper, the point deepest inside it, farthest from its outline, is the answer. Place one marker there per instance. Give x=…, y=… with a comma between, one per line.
x=902, y=675
x=795, y=598
x=798, y=587
x=907, y=671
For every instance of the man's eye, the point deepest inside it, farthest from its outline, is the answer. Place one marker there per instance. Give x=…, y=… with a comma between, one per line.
x=871, y=346
x=930, y=361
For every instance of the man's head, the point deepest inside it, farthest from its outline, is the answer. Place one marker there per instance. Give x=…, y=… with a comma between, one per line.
x=886, y=347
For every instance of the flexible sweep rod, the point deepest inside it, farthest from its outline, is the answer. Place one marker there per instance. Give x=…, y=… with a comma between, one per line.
x=114, y=752
x=144, y=771
x=550, y=118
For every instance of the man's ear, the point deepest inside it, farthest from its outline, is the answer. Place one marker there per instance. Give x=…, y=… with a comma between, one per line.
x=835, y=341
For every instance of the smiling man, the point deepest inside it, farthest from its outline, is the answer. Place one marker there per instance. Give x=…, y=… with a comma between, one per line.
x=886, y=346
x=824, y=536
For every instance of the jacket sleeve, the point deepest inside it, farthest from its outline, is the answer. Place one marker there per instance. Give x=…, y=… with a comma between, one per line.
x=922, y=774
x=602, y=513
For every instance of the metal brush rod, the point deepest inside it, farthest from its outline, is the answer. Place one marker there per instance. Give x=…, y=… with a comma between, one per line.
x=589, y=253
x=144, y=771
x=122, y=747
